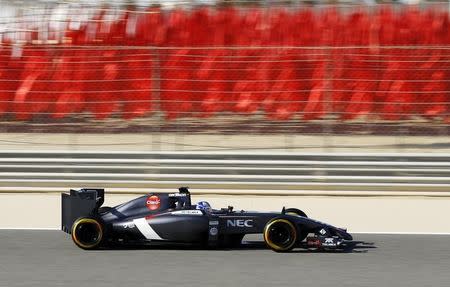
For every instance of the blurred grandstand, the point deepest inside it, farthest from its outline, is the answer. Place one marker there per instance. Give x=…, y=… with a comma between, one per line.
x=225, y=66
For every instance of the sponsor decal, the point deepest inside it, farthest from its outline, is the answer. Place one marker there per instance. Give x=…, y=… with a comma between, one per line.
x=214, y=222
x=128, y=225
x=153, y=202
x=187, y=212
x=329, y=242
x=323, y=231
x=177, y=194
x=213, y=231
x=240, y=222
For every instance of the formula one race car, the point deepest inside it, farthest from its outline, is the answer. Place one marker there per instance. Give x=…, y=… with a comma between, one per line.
x=170, y=218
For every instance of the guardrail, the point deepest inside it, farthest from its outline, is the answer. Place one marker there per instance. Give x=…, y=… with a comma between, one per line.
x=226, y=172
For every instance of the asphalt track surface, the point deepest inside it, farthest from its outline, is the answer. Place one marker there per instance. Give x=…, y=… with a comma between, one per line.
x=49, y=258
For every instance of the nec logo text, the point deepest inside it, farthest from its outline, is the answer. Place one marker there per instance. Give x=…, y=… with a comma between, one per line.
x=240, y=222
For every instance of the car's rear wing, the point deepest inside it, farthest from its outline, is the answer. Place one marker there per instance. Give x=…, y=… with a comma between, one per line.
x=82, y=202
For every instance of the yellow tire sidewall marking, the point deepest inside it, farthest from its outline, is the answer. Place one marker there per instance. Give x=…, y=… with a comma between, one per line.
x=271, y=244
x=90, y=221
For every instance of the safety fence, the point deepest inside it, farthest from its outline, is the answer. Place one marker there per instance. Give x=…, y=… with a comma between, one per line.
x=227, y=173
x=340, y=83
x=301, y=65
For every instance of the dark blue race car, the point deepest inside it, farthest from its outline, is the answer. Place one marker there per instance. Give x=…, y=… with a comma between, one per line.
x=170, y=218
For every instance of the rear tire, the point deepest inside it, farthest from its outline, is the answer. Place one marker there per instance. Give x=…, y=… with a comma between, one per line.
x=87, y=233
x=280, y=235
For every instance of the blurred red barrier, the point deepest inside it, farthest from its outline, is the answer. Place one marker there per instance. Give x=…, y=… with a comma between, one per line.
x=70, y=80
x=33, y=94
x=304, y=64
x=10, y=71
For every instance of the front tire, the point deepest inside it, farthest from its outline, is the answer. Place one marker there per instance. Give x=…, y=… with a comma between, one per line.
x=297, y=212
x=87, y=233
x=280, y=235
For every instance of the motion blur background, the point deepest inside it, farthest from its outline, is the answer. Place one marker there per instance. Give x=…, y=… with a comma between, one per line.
x=271, y=99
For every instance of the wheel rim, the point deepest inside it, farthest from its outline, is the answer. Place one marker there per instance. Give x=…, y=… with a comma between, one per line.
x=87, y=233
x=280, y=235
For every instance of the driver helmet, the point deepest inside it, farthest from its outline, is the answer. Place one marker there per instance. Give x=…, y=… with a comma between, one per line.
x=203, y=205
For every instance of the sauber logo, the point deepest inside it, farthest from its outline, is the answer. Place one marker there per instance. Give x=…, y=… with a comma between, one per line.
x=240, y=222
x=153, y=202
